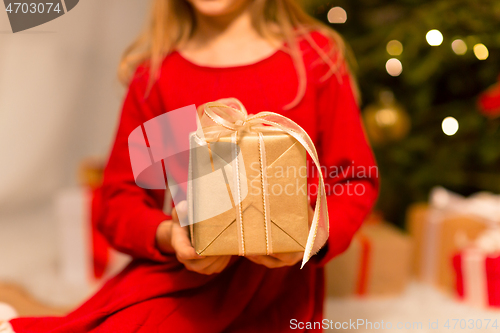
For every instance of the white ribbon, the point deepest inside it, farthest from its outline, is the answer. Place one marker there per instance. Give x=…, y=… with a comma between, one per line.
x=483, y=205
x=474, y=277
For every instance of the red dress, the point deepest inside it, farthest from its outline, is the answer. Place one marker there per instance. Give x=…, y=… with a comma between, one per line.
x=155, y=293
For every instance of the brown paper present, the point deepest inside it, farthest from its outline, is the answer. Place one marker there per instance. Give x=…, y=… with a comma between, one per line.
x=416, y=215
x=284, y=164
x=377, y=263
x=436, y=243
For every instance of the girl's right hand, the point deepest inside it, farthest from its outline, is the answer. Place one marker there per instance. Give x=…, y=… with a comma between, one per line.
x=172, y=238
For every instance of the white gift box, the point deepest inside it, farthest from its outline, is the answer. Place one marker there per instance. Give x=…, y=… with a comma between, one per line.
x=75, y=257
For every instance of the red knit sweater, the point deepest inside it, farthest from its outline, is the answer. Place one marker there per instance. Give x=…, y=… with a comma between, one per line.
x=155, y=293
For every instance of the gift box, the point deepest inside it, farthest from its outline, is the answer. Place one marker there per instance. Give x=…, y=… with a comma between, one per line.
x=90, y=175
x=248, y=186
x=288, y=210
x=477, y=272
x=416, y=218
x=377, y=263
x=85, y=258
x=442, y=228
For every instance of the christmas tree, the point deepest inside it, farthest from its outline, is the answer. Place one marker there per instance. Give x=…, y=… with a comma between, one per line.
x=419, y=63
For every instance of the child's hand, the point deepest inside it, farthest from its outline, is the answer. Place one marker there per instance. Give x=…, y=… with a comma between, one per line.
x=172, y=238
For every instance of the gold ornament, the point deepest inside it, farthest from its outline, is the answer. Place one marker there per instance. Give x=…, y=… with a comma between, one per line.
x=386, y=121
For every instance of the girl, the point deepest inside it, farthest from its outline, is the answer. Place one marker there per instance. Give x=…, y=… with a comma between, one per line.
x=272, y=56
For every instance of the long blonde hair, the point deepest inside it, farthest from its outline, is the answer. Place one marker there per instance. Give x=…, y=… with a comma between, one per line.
x=172, y=23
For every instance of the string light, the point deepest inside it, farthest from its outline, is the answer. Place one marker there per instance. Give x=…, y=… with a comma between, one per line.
x=459, y=47
x=394, y=48
x=434, y=37
x=481, y=51
x=450, y=126
x=394, y=67
x=337, y=15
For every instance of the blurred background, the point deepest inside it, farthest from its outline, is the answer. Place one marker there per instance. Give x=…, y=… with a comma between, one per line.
x=429, y=76
x=435, y=59
x=59, y=105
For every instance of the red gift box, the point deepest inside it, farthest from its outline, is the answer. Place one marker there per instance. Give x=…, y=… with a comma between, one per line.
x=478, y=277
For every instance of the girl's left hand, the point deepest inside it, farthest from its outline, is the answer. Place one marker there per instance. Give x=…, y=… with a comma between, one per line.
x=281, y=259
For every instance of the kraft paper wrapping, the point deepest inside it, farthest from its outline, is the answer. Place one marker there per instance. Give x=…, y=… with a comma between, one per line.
x=437, y=240
x=287, y=197
x=452, y=229
x=380, y=269
x=416, y=217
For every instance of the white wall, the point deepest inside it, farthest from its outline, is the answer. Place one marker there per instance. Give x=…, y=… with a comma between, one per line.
x=59, y=96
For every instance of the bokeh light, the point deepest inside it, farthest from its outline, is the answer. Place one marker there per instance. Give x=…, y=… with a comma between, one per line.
x=434, y=37
x=337, y=15
x=450, y=126
x=386, y=117
x=394, y=48
x=394, y=67
x=459, y=47
x=481, y=51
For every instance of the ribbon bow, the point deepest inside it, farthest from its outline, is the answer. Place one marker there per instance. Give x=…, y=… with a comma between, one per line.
x=483, y=205
x=232, y=116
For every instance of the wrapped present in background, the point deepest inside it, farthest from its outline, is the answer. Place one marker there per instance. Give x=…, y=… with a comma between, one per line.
x=248, y=185
x=416, y=218
x=90, y=175
x=442, y=228
x=85, y=257
x=477, y=270
x=377, y=263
